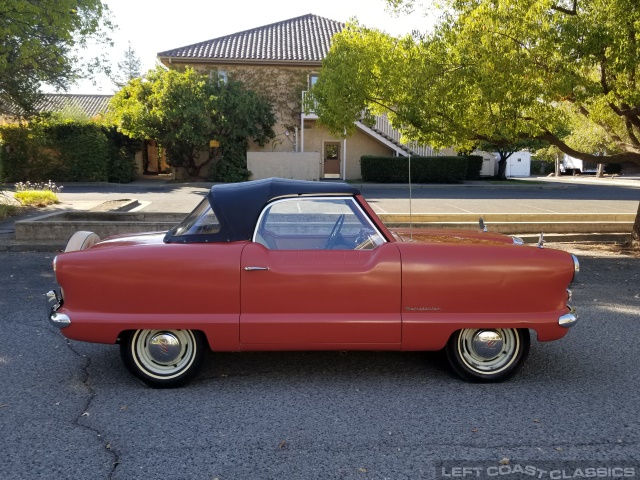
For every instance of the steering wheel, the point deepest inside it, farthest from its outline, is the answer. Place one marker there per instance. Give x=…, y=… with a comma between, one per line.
x=364, y=239
x=331, y=241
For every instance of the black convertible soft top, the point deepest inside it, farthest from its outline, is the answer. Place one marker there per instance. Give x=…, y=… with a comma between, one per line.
x=238, y=205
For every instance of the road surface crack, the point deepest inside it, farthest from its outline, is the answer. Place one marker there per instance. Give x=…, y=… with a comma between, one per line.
x=85, y=411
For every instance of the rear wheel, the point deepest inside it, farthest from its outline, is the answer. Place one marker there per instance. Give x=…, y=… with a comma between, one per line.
x=488, y=354
x=163, y=358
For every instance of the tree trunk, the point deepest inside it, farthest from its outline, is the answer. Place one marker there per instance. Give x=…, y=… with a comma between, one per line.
x=502, y=168
x=557, y=171
x=600, y=171
x=635, y=234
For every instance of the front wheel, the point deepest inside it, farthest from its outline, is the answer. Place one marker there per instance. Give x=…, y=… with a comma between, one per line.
x=163, y=358
x=488, y=354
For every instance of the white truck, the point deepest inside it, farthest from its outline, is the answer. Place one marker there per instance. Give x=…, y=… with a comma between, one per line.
x=573, y=166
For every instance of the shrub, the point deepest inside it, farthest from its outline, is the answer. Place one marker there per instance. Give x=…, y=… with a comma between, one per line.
x=83, y=151
x=8, y=211
x=612, y=168
x=37, y=194
x=474, y=165
x=7, y=207
x=423, y=169
x=66, y=151
x=540, y=167
x=36, y=198
x=232, y=166
x=121, y=166
x=24, y=153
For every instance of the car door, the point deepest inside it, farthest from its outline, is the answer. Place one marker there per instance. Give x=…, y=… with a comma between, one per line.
x=319, y=275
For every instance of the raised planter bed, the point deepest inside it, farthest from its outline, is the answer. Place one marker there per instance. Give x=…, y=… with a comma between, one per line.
x=58, y=227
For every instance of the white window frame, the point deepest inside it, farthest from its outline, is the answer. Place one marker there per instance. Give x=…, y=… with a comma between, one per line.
x=371, y=224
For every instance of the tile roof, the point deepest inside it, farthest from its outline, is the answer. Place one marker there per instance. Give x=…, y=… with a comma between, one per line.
x=300, y=39
x=90, y=105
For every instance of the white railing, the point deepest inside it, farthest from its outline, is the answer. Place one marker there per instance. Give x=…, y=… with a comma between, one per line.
x=311, y=114
x=384, y=128
x=422, y=150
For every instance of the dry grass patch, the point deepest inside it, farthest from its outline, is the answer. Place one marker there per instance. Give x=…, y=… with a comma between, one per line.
x=7, y=211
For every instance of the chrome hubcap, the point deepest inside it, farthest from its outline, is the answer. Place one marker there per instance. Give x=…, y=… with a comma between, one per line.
x=488, y=343
x=164, y=354
x=164, y=347
x=488, y=351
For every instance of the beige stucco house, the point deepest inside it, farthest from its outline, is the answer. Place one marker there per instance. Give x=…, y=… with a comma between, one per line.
x=282, y=60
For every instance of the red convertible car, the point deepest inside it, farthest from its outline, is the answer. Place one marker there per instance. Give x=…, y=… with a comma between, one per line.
x=292, y=265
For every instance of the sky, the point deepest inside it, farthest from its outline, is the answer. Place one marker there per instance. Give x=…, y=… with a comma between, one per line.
x=154, y=26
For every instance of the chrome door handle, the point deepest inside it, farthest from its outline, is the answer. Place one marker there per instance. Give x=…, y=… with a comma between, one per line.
x=251, y=269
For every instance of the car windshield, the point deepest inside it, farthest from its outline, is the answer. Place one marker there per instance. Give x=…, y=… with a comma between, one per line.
x=201, y=221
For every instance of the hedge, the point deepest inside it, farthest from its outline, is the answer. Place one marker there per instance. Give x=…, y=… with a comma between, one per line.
x=474, y=165
x=612, y=168
x=456, y=169
x=68, y=151
x=541, y=167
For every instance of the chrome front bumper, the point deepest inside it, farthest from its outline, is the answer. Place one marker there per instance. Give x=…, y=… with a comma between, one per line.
x=568, y=319
x=58, y=320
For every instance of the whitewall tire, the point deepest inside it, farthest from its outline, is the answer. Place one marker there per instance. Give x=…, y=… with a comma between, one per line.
x=488, y=354
x=81, y=241
x=163, y=358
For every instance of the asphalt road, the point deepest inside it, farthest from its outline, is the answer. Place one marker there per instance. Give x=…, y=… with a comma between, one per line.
x=69, y=410
x=548, y=196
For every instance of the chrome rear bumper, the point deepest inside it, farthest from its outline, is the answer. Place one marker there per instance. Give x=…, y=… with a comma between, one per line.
x=58, y=320
x=568, y=319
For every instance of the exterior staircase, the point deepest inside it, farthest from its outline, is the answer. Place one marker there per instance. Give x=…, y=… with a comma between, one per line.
x=386, y=134
x=383, y=131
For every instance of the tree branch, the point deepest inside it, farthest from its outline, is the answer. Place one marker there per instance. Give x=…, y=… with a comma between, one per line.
x=627, y=156
x=632, y=136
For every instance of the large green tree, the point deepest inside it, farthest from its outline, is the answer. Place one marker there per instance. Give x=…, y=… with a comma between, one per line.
x=497, y=71
x=184, y=110
x=40, y=43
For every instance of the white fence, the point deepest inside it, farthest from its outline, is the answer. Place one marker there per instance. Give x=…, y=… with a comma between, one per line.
x=297, y=166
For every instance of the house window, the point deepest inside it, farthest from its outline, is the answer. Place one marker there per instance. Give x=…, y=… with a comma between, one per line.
x=332, y=151
x=219, y=75
x=313, y=78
